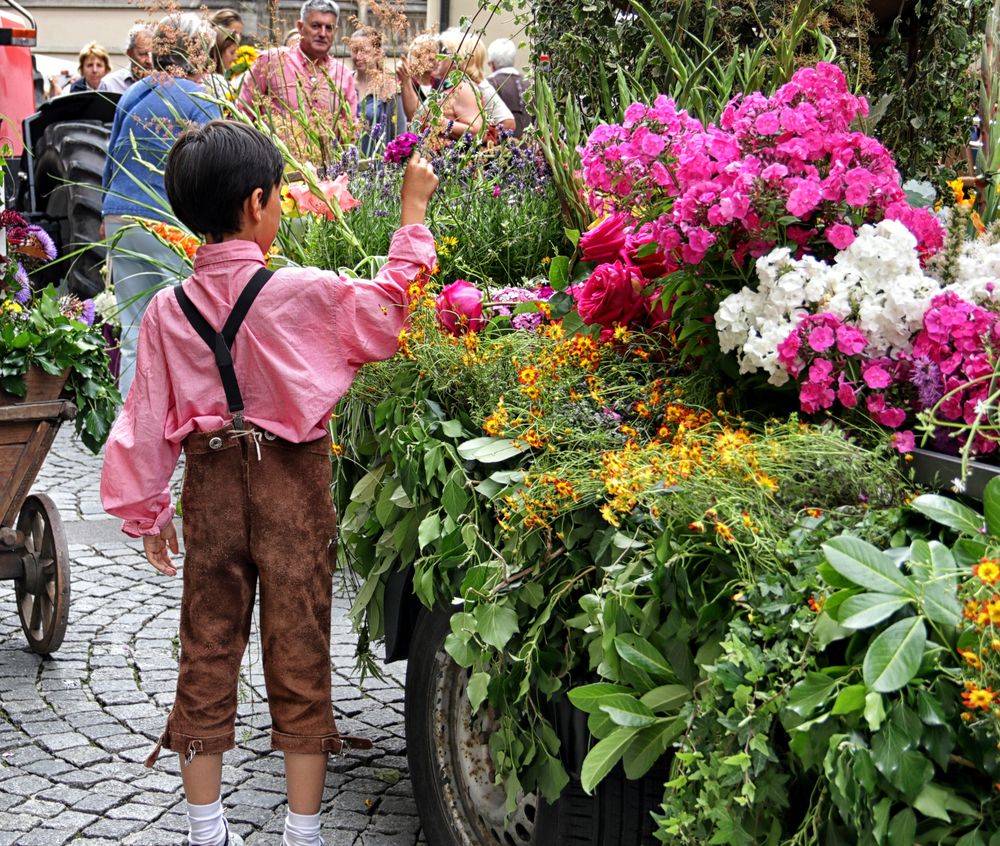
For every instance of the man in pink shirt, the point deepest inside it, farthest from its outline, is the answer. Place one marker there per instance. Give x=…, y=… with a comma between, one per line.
x=241, y=367
x=304, y=76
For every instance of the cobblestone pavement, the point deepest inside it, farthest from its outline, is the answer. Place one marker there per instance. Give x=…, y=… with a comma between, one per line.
x=76, y=727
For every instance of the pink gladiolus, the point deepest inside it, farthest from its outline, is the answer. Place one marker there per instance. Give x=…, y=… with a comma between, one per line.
x=460, y=308
x=335, y=191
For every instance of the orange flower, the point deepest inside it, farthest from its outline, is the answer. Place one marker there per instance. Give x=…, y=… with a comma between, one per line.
x=988, y=570
x=978, y=697
x=528, y=375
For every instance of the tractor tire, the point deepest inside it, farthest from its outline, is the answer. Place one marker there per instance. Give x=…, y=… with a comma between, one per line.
x=448, y=752
x=618, y=813
x=68, y=172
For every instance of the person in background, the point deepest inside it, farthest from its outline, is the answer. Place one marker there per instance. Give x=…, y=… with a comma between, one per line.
x=380, y=109
x=95, y=64
x=495, y=112
x=414, y=72
x=227, y=24
x=305, y=76
x=462, y=101
x=139, y=50
x=292, y=37
x=149, y=117
x=508, y=81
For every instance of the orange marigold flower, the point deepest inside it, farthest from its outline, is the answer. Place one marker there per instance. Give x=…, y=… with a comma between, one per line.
x=971, y=609
x=988, y=570
x=528, y=375
x=978, y=697
x=814, y=512
x=971, y=658
x=724, y=532
x=815, y=604
x=564, y=488
x=697, y=526
x=337, y=449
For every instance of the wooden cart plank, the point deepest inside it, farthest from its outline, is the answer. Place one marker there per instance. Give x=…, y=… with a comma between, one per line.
x=38, y=411
x=15, y=433
x=24, y=463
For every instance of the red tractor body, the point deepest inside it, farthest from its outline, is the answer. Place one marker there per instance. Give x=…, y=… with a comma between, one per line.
x=17, y=86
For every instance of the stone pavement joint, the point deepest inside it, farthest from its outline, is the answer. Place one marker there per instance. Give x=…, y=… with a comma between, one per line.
x=76, y=727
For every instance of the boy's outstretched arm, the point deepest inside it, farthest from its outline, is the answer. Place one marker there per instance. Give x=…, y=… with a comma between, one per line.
x=419, y=183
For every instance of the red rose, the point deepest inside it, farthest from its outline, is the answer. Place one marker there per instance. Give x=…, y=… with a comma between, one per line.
x=460, y=308
x=612, y=294
x=606, y=240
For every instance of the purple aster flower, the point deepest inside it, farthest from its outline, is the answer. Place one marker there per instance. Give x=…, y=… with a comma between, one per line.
x=527, y=322
x=87, y=313
x=44, y=241
x=926, y=378
x=24, y=285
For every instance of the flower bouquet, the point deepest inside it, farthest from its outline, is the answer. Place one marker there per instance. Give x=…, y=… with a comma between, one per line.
x=41, y=331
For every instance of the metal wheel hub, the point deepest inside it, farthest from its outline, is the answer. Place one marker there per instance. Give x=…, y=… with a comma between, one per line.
x=476, y=804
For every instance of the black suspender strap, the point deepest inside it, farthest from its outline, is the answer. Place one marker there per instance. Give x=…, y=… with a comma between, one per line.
x=221, y=343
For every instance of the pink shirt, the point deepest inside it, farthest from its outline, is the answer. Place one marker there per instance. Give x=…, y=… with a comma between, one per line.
x=282, y=74
x=306, y=335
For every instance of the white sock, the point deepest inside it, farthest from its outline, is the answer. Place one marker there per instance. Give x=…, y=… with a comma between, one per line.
x=302, y=830
x=206, y=824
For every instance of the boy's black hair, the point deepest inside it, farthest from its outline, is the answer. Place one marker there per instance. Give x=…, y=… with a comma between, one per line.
x=212, y=169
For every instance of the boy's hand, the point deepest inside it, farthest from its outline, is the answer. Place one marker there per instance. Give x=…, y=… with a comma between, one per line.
x=419, y=183
x=156, y=546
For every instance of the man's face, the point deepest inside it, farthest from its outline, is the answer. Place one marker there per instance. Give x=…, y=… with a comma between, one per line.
x=142, y=54
x=317, y=32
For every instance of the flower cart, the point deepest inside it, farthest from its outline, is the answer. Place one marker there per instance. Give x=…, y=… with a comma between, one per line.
x=33, y=550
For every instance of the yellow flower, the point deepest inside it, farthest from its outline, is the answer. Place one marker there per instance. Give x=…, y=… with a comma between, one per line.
x=971, y=658
x=337, y=449
x=988, y=570
x=288, y=206
x=609, y=515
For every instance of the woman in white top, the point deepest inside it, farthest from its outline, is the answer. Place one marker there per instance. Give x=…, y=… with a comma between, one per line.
x=495, y=111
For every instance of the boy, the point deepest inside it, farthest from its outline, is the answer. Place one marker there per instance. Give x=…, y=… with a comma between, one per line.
x=256, y=488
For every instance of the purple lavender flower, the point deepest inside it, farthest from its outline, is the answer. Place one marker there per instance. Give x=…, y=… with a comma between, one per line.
x=44, y=241
x=87, y=313
x=400, y=149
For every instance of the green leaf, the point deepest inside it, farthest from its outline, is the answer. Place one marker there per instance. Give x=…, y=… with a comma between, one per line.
x=893, y=658
x=452, y=428
x=496, y=624
x=641, y=654
x=868, y=609
x=429, y=529
x=949, y=513
x=559, y=273
x=604, y=755
x=588, y=698
x=626, y=710
x=649, y=746
x=454, y=498
x=941, y=605
x=666, y=697
x=903, y=828
x=850, y=699
x=478, y=685
x=931, y=801
x=364, y=490
x=810, y=693
x=874, y=710
x=867, y=566
x=489, y=450
x=991, y=506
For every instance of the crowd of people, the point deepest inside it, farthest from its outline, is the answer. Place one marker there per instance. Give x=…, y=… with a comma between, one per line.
x=176, y=63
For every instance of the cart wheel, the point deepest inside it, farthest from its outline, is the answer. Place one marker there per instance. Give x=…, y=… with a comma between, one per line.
x=43, y=592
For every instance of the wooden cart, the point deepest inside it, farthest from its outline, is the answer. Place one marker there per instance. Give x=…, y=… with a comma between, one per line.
x=33, y=550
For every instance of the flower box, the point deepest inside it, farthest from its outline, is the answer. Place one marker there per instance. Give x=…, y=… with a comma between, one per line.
x=41, y=387
x=940, y=471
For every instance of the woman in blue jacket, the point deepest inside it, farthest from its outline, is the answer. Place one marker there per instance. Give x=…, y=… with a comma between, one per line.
x=150, y=116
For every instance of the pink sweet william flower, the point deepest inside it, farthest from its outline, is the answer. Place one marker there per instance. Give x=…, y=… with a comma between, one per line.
x=821, y=338
x=803, y=198
x=851, y=340
x=904, y=442
x=846, y=394
x=460, y=308
x=814, y=396
x=876, y=376
x=840, y=235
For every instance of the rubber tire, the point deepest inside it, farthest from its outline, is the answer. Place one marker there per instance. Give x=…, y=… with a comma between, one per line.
x=617, y=814
x=69, y=171
x=428, y=637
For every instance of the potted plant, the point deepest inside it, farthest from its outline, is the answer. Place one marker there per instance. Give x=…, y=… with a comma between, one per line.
x=49, y=344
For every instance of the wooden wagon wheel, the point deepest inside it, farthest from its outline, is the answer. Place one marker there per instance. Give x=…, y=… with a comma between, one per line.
x=43, y=592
